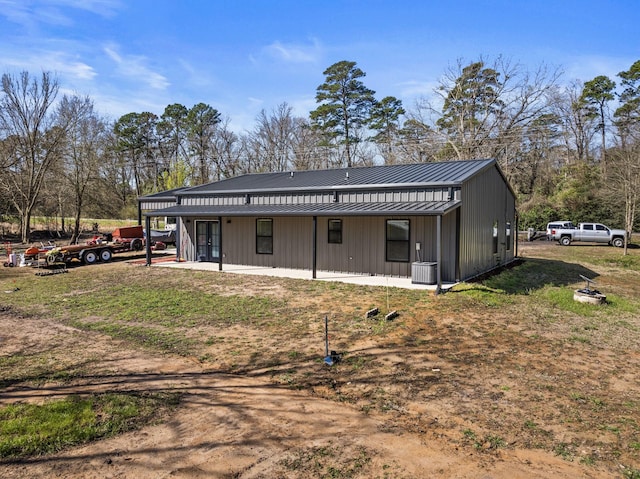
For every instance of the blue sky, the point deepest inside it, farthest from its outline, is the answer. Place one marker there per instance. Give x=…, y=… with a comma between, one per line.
x=244, y=56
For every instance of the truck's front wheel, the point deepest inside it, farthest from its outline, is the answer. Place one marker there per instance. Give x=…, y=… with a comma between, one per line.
x=617, y=242
x=565, y=241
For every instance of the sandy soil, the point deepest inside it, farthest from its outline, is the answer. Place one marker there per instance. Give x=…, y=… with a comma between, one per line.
x=250, y=426
x=234, y=426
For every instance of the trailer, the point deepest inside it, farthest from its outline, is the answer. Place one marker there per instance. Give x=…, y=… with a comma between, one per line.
x=98, y=249
x=89, y=253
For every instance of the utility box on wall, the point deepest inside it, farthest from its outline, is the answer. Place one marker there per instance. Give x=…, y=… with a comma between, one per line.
x=424, y=273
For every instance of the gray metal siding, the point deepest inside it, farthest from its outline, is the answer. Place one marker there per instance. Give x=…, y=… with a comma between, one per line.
x=485, y=199
x=292, y=242
x=362, y=249
x=147, y=205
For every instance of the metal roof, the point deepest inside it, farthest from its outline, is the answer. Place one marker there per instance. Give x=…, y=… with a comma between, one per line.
x=446, y=173
x=311, y=209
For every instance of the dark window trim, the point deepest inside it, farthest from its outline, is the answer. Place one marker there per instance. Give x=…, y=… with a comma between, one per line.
x=336, y=238
x=259, y=237
x=397, y=242
x=508, y=235
x=494, y=233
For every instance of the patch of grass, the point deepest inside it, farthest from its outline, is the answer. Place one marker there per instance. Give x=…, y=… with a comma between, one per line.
x=562, y=298
x=631, y=473
x=172, y=341
x=589, y=460
x=564, y=450
x=27, y=429
x=143, y=303
x=630, y=262
x=144, y=296
x=489, y=442
x=38, y=367
x=481, y=295
x=329, y=462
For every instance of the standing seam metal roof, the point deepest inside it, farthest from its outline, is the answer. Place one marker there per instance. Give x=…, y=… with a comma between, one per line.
x=446, y=173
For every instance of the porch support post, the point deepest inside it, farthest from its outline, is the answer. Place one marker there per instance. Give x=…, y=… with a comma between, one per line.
x=147, y=229
x=220, y=243
x=179, y=223
x=439, y=253
x=315, y=246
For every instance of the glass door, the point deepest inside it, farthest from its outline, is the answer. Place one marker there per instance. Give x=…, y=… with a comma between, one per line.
x=208, y=241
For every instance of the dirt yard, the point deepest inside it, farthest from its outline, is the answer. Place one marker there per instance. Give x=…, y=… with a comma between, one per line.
x=451, y=391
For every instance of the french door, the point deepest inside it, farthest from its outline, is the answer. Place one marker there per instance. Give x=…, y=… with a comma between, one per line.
x=208, y=241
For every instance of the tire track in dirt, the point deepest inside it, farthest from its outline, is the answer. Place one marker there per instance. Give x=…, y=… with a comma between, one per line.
x=229, y=425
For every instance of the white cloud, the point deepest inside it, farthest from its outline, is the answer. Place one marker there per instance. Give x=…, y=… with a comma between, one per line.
x=105, y=8
x=30, y=13
x=58, y=62
x=134, y=67
x=586, y=68
x=196, y=76
x=411, y=88
x=294, y=53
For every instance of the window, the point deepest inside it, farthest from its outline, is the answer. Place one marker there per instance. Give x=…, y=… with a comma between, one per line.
x=508, y=235
x=495, y=237
x=398, y=240
x=335, y=231
x=588, y=227
x=264, y=236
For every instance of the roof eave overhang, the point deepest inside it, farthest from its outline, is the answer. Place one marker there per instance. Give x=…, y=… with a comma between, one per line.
x=258, y=210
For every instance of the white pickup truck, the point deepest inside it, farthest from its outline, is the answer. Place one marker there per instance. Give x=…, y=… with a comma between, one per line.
x=590, y=232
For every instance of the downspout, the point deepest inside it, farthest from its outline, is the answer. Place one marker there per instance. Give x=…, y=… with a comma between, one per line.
x=220, y=243
x=438, y=253
x=147, y=229
x=139, y=212
x=315, y=246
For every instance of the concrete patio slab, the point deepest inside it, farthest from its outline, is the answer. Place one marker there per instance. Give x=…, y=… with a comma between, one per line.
x=352, y=278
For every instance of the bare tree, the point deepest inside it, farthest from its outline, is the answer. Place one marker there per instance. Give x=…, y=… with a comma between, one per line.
x=227, y=152
x=305, y=141
x=36, y=136
x=273, y=139
x=578, y=124
x=83, y=152
x=624, y=182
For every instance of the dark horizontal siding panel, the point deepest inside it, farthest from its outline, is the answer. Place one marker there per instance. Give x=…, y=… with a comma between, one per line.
x=446, y=173
x=163, y=195
x=311, y=209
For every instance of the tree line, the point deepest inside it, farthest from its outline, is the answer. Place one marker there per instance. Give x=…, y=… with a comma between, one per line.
x=570, y=151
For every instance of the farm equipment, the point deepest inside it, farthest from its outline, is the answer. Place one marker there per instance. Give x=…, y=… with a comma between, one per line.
x=11, y=256
x=97, y=249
